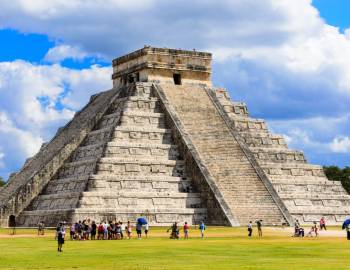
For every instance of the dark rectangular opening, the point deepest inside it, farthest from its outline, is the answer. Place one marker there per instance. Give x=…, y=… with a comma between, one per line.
x=130, y=79
x=137, y=76
x=177, y=78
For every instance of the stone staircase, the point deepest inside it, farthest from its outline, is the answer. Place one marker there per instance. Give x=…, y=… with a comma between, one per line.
x=303, y=187
x=235, y=177
x=127, y=167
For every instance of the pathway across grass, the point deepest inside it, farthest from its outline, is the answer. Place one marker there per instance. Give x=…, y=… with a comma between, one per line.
x=224, y=248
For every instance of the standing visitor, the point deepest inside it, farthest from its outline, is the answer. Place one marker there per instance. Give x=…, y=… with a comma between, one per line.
x=323, y=224
x=40, y=228
x=348, y=231
x=186, y=229
x=146, y=229
x=60, y=237
x=128, y=230
x=259, y=226
x=202, y=228
x=105, y=230
x=100, y=231
x=93, y=230
x=250, y=229
x=72, y=232
x=138, y=230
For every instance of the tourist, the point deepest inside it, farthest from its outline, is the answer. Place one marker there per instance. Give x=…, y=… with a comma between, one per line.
x=72, y=232
x=118, y=231
x=105, y=230
x=146, y=230
x=41, y=228
x=128, y=230
x=79, y=229
x=100, y=231
x=58, y=227
x=313, y=229
x=60, y=236
x=93, y=230
x=121, y=230
x=259, y=226
x=174, y=231
x=202, y=228
x=186, y=230
x=86, y=231
x=139, y=230
x=250, y=228
x=348, y=231
x=323, y=224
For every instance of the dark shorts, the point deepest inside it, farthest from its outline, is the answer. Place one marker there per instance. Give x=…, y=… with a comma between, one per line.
x=60, y=240
x=146, y=231
x=138, y=231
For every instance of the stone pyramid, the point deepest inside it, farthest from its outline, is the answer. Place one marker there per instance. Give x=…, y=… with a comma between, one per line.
x=163, y=143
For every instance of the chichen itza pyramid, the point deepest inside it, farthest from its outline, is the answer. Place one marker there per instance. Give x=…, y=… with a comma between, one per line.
x=165, y=144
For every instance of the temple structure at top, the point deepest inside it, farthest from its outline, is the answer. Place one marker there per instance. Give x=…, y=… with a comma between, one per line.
x=165, y=144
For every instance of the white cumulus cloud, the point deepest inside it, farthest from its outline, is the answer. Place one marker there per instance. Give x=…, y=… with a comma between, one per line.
x=340, y=145
x=62, y=52
x=37, y=99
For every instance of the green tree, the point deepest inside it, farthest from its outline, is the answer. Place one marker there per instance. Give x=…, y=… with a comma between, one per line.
x=335, y=173
x=2, y=181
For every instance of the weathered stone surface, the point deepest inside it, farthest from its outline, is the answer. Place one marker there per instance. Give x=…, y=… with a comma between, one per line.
x=305, y=190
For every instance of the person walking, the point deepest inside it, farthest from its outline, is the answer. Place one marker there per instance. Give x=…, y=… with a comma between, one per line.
x=202, y=228
x=186, y=229
x=60, y=237
x=323, y=224
x=259, y=226
x=348, y=231
x=250, y=228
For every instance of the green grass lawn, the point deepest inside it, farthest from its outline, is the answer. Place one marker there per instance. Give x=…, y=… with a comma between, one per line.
x=223, y=248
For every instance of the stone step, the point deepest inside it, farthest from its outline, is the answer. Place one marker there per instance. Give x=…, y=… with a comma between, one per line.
x=278, y=155
x=71, y=184
x=142, y=103
x=302, y=179
x=138, y=118
x=139, y=160
x=145, y=149
x=110, y=119
x=314, y=196
x=134, y=200
x=137, y=133
x=324, y=189
x=144, y=178
x=263, y=139
x=99, y=135
x=294, y=169
x=319, y=211
x=77, y=168
x=88, y=151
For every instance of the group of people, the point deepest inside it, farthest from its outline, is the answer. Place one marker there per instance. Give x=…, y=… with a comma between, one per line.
x=175, y=230
x=299, y=231
x=90, y=230
x=111, y=230
x=258, y=226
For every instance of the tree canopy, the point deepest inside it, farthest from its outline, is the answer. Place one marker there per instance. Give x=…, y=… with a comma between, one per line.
x=338, y=174
x=2, y=181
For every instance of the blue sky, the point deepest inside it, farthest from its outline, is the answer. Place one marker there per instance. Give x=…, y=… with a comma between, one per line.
x=288, y=60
